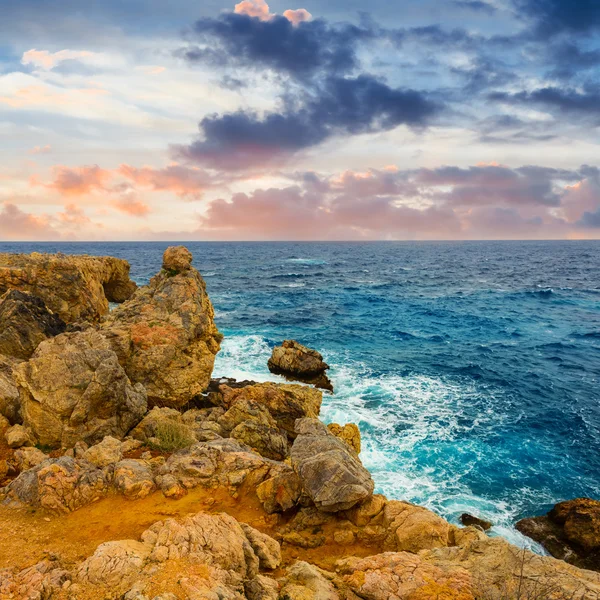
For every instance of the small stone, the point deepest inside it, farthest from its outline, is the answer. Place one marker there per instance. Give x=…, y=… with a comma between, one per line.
x=469, y=520
x=17, y=436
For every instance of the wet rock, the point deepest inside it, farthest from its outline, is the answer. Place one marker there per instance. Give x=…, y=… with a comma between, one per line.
x=10, y=403
x=25, y=322
x=107, y=452
x=60, y=485
x=331, y=473
x=570, y=531
x=73, y=389
x=295, y=361
x=470, y=521
x=285, y=402
x=18, y=436
x=134, y=479
x=73, y=287
x=349, y=433
x=166, y=338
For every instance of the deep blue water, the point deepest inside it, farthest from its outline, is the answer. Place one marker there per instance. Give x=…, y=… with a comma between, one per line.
x=472, y=368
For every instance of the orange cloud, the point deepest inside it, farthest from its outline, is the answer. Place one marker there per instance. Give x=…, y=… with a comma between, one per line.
x=259, y=9
x=131, y=206
x=18, y=225
x=48, y=60
x=41, y=95
x=77, y=181
x=41, y=149
x=300, y=15
x=73, y=216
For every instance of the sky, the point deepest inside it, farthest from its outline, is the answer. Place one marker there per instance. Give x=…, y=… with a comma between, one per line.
x=337, y=120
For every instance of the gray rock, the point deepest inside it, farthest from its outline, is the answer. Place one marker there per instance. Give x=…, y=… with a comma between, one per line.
x=330, y=471
x=107, y=452
x=134, y=479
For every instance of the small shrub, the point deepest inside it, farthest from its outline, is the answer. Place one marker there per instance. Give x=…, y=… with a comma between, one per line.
x=171, y=435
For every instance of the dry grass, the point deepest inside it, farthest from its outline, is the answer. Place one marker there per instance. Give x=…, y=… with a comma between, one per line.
x=171, y=435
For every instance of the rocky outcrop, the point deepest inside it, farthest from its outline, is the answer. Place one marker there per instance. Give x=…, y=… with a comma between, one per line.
x=331, y=473
x=25, y=322
x=165, y=336
x=570, y=531
x=18, y=436
x=285, y=402
x=73, y=388
x=44, y=580
x=297, y=362
x=134, y=479
x=471, y=521
x=74, y=287
x=10, y=403
x=107, y=452
x=349, y=433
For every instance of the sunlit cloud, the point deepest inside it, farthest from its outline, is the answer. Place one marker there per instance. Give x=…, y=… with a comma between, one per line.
x=44, y=59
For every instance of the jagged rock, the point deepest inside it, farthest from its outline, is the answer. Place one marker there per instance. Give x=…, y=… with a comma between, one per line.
x=349, y=433
x=331, y=473
x=469, y=520
x=204, y=423
x=413, y=528
x=73, y=287
x=25, y=322
x=18, y=436
x=39, y=582
x=266, y=548
x=60, y=485
x=295, y=361
x=570, y=531
x=251, y=423
x=10, y=403
x=364, y=513
x=165, y=337
x=285, y=402
x=261, y=588
x=73, y=388
x=304, y=581
x=108, y=451
x=134, y=479
x=177, y=259
x=27, y=458
x=281, y=492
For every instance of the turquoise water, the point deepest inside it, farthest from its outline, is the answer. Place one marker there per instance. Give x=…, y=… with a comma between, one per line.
x=471, y=368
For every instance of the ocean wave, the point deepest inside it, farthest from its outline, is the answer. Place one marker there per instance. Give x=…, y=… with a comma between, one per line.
x=307, y=261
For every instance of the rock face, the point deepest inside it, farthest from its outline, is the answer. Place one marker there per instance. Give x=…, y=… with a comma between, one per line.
x=73, y=287
x=330, y=472
x=10, y=403
x=349, y=433
x=25, y=322
x=73, y=389
x=470, y=521
x=570, y=531
x=165, y=336
x=295, y=361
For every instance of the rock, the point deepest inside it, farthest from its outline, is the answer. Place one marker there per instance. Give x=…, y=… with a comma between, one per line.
x=73, y=287
x=266, y=548
x=251, y=423
x=295, y=361
x=10, y=403
x=134, y=479
x=60, y=485
x=281, y=492
x=107, y=452
x=349, y=433
x=570, y=531
x=285, y=402
x=330, y=472
x=164, y=429
x=261, y=588
x=413, y=528
x=38, y=582
x=165, y=337
x=27, y=458
x=304, y=581
x=469, y=520
x=177, y=259
x=73, y=388
x=364, y=513
x=17, y=436
x=25, y=322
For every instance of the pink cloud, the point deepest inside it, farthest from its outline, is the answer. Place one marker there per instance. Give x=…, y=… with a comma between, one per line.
x=48, y=60
x=259, y=9
x=16, y=224
x=41, y=149
x=77, y=181
x=297, y=16
x=73, y=216
x=131, y=206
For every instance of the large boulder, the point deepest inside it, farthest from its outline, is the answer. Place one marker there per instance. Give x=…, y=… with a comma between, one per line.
x=295, y=361
x=73, y=287
x=165, y=336
x=10, y=402
x=330, y=471
x=570, y=531
x=285, y=402
x=73, y=388
x=25, y=322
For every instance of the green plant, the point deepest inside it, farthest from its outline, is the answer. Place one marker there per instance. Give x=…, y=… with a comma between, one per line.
x=171, y=435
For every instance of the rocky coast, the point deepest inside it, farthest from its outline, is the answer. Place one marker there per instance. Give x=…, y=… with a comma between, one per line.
x=127, y=472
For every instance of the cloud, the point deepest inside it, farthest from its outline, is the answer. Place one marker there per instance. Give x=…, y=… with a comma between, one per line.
x=77, y=181
x=257, y=9
x=18, y=225
x=341, y=106
x=73, y=216
x=551, y=17
x=43, y=59
x=476, y=6
x=590, y=220
x=130, y=205
x=41, y=149
x=297, y=16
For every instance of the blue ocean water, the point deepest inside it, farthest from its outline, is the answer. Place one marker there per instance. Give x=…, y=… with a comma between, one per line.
x=471, y=368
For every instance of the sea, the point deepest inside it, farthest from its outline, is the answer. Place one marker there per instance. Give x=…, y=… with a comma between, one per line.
x=471, y=368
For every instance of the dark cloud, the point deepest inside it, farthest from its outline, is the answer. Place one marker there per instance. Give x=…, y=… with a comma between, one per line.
x=568, y=60
x=339, y=106
x=551, y=17
x=300, y=50
x=475, y=5
x=590, y=220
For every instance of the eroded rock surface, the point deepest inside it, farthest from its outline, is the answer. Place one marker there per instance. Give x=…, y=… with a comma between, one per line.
x=165, y=336
x=295, y=361
x=74, y=287
x=10, y=403
x=330, y=471
x=73, y=389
